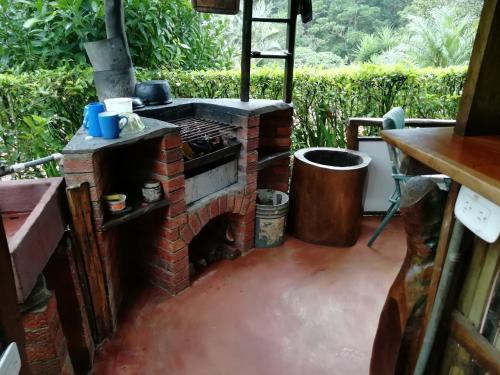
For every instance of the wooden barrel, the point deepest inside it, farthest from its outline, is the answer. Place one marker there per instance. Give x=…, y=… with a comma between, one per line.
x=326, y=195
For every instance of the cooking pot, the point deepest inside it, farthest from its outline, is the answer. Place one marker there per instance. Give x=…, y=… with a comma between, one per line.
x=154, y=92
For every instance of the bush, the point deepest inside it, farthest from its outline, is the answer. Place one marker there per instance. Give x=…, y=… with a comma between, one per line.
x=50, y=34
x=40, y=111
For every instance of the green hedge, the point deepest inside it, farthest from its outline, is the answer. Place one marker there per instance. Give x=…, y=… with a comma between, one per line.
x=40, y=111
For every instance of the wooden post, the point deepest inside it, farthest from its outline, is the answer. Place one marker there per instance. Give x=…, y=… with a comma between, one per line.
x=246, y=47
x=87, y=250
x=478, y=111
x=11, y=329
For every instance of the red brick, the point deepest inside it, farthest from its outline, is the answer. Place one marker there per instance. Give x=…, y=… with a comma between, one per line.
x=175, y=167
x=41, y=318
x=78, y=163
x=163, y=244
x=176, y=245
x=214, y=208
x=186, y=233
x=252, y=144
x=252, y=132
x=173, y=183
x=37, y=336
x=176, y=208
x=252, y=167
x=252, y=156
x=173, y=155
x=176, y=222
x=253, y=121
x=170, y=234
x=275, y=144
x=238, y=200
x=52, y=366
x=251, y=187
x=203, y=215
x=222, y=204
x=194, y=223
x=244, y=205
x=181, y=285
x=171, y=141
x=230, y=203
x=159, y=168
x=252, y=177
x=180, y=266
x=177, y=195
x=171, y=257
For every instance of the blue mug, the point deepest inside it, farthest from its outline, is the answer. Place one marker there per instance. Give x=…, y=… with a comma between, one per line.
x=91, y=119
x=112, y=123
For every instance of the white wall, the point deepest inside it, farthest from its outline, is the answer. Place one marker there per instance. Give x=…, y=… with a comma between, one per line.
x=380, y=183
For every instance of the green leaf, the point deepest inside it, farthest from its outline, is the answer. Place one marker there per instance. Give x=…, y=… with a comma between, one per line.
x=28, y=24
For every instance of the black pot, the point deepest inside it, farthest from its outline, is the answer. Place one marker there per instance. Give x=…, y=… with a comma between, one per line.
x=154, y=92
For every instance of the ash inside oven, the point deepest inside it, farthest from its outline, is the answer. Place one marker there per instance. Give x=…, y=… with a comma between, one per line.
x=215, y=242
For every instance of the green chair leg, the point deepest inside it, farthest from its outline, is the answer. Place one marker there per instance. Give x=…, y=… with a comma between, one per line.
x=388, y=216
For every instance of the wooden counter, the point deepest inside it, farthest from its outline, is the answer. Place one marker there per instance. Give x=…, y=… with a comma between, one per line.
x=470, y=161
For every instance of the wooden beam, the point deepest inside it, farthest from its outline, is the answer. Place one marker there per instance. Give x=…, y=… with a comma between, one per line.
x=11, y=329
x=482, y=351
x=478, y=112
x=87, y=250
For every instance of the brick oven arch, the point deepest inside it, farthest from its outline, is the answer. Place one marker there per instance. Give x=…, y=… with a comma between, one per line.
x=241, y=208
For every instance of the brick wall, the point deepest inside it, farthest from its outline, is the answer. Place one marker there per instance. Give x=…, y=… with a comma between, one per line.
x=161, y=254
x=275, y=132
x=62, y=277
x=46, y=346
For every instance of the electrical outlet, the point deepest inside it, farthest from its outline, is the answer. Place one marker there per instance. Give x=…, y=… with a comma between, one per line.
x=478, y=214
x=10, y=361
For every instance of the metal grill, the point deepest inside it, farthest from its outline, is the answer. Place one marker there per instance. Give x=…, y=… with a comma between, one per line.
x=193, y=129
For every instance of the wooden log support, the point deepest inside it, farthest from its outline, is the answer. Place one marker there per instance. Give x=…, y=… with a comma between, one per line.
x=87, y=252
x=395, y=348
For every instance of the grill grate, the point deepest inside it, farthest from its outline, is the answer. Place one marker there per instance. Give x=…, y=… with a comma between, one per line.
x=193, y=129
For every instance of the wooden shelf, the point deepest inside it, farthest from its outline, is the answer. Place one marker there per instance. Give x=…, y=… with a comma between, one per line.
x=473, y=161
x=267, y=159
x=140, y=209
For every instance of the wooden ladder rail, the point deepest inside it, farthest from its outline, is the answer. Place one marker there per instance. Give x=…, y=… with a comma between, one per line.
x=247, y=54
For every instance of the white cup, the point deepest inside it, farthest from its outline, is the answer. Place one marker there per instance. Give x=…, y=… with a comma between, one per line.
x=120, y=105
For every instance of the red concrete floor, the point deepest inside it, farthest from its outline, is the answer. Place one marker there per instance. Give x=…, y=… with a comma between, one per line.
x=298, y=309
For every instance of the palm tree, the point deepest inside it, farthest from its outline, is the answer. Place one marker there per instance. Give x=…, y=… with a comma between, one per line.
x=441, y=40
x=374, y=44
x=265, y=36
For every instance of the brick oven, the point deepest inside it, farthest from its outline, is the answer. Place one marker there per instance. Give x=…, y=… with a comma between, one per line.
x=152, y=241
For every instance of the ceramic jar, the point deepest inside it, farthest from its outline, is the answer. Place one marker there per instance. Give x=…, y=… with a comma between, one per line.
x=151, y=191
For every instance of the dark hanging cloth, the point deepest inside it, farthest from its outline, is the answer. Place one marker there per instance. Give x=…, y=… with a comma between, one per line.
x=305, y=10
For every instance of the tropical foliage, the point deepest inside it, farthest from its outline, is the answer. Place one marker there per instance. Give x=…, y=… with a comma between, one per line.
x=38, y=34
x=381, y=31
x=40, y=111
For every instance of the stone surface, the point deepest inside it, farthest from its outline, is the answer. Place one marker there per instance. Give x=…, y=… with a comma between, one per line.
x=79, y=144
x=231, y=106
x=297, y=309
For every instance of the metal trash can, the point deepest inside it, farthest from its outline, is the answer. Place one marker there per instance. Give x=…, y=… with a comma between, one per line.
x=270, y=218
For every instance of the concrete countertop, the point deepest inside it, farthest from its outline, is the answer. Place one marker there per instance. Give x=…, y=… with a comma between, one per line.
x=254, y=107
x=80, y=144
